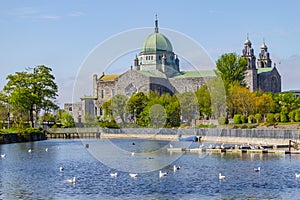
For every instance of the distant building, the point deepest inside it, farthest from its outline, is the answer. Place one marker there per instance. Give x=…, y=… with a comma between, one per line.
x=264, y=77
x=157, y=68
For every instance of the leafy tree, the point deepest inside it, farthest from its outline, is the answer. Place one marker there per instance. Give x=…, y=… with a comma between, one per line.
x=258, y=117
x=89, y=120
x=263, y=103
x=204, y=101
x=173, y=112
x=240, y=101
x=189, y=106
x=30, y=92
x=237, y=119
x=136, y=104
x=232, y=69
x=117, y=106
x=67, y=120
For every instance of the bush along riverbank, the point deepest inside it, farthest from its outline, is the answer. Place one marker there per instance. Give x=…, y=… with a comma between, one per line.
x=24, y=135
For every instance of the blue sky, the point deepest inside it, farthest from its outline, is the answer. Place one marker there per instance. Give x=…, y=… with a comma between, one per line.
x=61, y=34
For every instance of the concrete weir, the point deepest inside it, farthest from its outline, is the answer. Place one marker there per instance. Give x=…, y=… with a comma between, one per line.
x=249, y=151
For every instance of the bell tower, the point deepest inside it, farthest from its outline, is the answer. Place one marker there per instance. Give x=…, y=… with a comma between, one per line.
x=251, y=75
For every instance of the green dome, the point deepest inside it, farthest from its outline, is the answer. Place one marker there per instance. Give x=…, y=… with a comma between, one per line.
x=156, y=42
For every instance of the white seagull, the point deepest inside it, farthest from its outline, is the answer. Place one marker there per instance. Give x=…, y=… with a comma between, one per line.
x=73, y=181
x=29, y=150
x=161, y=174
x=171, y=146
x=133, y=175
x=175, y=168
x=132, y=153
x=221, y=177
x=46, y=149
x=113, y=174
x=256, y=169
x=3, y=155
x=297, y=175
x=61, y=169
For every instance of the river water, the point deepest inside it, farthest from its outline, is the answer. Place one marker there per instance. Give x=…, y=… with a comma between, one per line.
x=36, y=175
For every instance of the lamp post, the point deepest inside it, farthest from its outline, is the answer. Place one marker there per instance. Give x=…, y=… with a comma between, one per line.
x=8, y=117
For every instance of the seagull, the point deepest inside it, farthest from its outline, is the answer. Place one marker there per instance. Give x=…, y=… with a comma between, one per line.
x=222, y=146
x=29, y=150
x=133, y=175
x=221, y=177
x=171, y=146
x=46, y=149
x=3, y=155
x=61, y=169
x=161, y=174
x=297, y=175
x=175, y=168
x=256, y=169
x=113, y=174
x=71, y=180
x=132, y=153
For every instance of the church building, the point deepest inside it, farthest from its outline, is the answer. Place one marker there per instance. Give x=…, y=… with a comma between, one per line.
x=157, y=68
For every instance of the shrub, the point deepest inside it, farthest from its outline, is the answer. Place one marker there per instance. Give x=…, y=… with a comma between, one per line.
x=251, y=119
x=244, y=119
x=237, y=119
x=292, y=115
x=270, y=118
x=284, y=115
x=277, y=117
x=222, y=120
x=297, y=115
x=258, y=117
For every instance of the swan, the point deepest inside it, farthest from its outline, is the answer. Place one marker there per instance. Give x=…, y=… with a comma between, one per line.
x=72, y=180
x=113, y=174
x=3, y=155
x=175, y=168
x=161, y=174
x=61, y=169
x=297, y=175
x=221, y=177
x=133, y=175
x=256, y=169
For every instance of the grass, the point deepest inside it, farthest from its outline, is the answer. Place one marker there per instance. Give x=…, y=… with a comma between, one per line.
x=10, y=130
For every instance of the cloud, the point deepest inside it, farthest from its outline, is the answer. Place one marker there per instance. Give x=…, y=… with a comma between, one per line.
x=50, y=17
x=76, y=14
x=22, y=11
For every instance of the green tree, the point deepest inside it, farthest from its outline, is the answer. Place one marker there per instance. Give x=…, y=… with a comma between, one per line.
x=31, y=92
x=136, y=104
x=67, y=120
x=118, y=107
x=232, y=69
x=204, y=101
x=189, y=106
x=90, y=120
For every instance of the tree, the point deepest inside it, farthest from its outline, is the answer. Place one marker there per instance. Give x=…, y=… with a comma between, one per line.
x=232, y=69
x=67, y=120
x=31, y=92
x=240, y=101
x=118, y=105
x=189, y=106
x=204, y=101
x=136, y=104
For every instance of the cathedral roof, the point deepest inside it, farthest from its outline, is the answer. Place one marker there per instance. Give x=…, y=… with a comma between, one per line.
x=264, y=70
x=156, y=42
x=193, y=74
x=109, y=77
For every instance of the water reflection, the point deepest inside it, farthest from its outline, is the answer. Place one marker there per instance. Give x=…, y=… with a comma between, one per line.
x=36, y=175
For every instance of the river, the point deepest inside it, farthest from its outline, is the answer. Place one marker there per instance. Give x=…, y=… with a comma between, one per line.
x=36, y=175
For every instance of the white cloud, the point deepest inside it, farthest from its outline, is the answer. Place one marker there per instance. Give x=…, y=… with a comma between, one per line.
x=23, y=11
x=76, y=14
x=50, y=17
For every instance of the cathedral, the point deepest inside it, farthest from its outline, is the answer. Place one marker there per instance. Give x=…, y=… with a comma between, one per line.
x=157, y=68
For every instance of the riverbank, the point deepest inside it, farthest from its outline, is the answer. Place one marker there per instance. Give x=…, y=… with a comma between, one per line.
x=7, y=138
x=212, y=135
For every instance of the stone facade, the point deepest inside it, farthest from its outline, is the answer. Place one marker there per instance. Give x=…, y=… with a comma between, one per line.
x=156, y=68
x=264, y=77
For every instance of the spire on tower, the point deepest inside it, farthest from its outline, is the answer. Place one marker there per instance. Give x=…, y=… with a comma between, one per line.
x=156, y=24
